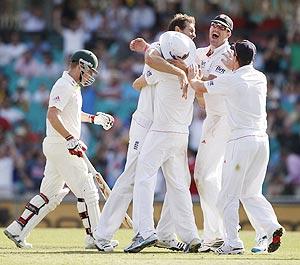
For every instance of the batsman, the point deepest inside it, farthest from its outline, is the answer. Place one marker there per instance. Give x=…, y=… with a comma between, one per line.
x=64, y=151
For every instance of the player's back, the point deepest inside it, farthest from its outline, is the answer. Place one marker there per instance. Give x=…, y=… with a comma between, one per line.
x=247, y=100
x=172, y=112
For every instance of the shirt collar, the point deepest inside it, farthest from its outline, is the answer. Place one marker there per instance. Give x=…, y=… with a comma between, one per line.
x=245, y=68
x=67, y=76
x=221, y=48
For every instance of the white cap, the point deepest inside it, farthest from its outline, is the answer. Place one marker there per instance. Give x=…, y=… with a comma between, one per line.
x=175, y=44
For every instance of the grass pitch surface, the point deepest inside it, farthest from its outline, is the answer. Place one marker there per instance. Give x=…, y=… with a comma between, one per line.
x=65, y=246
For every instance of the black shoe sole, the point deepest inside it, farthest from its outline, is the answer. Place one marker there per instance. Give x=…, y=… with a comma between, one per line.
x=141, y=247
x=276, y=240
x=12, y=238
x=193, y=249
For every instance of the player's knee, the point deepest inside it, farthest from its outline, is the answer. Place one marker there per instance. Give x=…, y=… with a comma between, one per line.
x=55, y=200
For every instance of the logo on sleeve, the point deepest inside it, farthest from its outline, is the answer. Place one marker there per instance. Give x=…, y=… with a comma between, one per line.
x=136, y=145
x=220, y=70
x=56, y=99
x=149, y=73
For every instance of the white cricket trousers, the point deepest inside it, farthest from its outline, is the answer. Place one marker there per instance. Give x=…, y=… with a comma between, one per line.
x=170, y=151
x=117, y=204
x=61, y=168
x=245, y=165
x=208, y=171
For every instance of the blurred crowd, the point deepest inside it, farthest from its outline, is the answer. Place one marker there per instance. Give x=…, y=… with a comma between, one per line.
x=38, y=38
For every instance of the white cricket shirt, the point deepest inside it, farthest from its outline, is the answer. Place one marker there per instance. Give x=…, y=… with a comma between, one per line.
x=245, y=92
x=144, y=111
x=212, y=65
x=172, y=113
x=66, y=96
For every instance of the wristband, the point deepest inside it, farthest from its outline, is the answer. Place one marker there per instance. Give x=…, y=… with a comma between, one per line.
x=146, y=48
x=92, y=118
x=69, y=137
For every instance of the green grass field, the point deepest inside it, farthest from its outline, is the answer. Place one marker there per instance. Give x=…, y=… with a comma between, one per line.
x=65, y=246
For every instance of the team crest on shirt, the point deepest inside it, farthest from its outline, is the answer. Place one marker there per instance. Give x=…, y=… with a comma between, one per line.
x=149, y=73
x=220, y=70
x=136, y=145
x=211, y=83
x=56, y=99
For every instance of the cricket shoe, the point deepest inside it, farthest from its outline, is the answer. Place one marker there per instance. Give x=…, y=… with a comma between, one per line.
x=193, y=246
x=90, y=243
x=172, y=244
x=208, y=246
x=275, y=240
x=139, y=243
x=12, y=232
x=229, y=250
x=105, y=245
x=261, y=246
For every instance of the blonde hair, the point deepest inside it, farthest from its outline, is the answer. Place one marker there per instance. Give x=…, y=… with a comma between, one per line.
x=180, y=20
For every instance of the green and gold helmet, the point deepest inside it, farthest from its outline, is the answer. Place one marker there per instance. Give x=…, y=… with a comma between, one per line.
x=87, y=61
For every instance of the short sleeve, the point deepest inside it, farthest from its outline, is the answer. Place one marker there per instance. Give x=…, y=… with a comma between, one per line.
x=200, y=55
x=150, y=76
x=219, y=85
x=155, y=46
x=59, y=96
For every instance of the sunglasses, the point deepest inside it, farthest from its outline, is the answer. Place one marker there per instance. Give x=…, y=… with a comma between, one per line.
x=183, y=57
x=219, y=26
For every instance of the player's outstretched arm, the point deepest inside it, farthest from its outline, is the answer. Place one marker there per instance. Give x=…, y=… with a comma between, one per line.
x=155, y=61
x=139, y=45
x=100, y=118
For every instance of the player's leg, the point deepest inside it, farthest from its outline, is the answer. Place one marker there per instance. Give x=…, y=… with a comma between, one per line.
x=75, y=173
x=152, y=156
x=207, y=174
x=117, y=204
x=51, y=194
x=261, y=240
x=181, y=206
x=234, y=169
x=254, y=202
x=166, y=228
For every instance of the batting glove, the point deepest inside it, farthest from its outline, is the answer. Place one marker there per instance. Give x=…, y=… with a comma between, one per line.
x=75, y=146
x=103, y=119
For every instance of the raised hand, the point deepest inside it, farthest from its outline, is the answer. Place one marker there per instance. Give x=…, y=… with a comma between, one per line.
x=228, y=60
x=138, y=45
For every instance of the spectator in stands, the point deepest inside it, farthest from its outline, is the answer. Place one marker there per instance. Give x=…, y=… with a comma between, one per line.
x=48, y=67
x=41, y=95
x=90, y=16
x=142, y=16
x=26, y=65
x=11, y=113
x=33, y=20
x=74, y=37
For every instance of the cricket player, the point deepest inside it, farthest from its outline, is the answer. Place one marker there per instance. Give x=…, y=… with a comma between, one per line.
x=210, y=156
x=211, y=150
x=166, y=146
x=247, y=149
x=115, y=207
x=63, y=151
